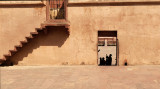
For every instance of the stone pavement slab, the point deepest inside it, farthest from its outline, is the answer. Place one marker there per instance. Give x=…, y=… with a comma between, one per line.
x=80, y=77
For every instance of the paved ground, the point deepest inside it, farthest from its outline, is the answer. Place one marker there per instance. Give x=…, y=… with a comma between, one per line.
x=81, y=77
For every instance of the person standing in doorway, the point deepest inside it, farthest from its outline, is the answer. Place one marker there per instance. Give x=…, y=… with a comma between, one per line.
x=107, y=60
x=110, y=59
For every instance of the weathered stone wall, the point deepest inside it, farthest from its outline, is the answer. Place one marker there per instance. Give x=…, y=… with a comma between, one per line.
x=16, y=22
x=137, y=26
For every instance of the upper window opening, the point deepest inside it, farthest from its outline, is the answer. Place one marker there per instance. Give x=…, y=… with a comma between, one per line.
x=57, y=9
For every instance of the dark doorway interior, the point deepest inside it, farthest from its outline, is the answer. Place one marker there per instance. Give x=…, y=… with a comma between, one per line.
x=107, y=48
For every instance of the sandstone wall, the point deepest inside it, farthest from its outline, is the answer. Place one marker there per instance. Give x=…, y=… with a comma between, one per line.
x=17, y=21
x=137, y=27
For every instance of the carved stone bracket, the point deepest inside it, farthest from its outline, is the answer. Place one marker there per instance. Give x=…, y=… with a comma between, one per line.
x=46, y=24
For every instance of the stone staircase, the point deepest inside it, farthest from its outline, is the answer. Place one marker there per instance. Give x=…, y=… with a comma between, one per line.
x=43, y=27
x=18, y=47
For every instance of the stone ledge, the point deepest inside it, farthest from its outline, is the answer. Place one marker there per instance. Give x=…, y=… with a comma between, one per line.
x=112, y=2
x=56, y=23
x=105, y=1
x=7, y=3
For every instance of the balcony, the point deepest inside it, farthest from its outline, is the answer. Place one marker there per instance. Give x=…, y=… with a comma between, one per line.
x=56, y=13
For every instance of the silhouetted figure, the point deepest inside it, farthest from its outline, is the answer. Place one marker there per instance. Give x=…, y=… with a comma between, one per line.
x=102, y=61
x=107, y=60
x=110, y=59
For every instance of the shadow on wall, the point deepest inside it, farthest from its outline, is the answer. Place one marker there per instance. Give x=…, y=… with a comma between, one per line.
x=56, y=36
